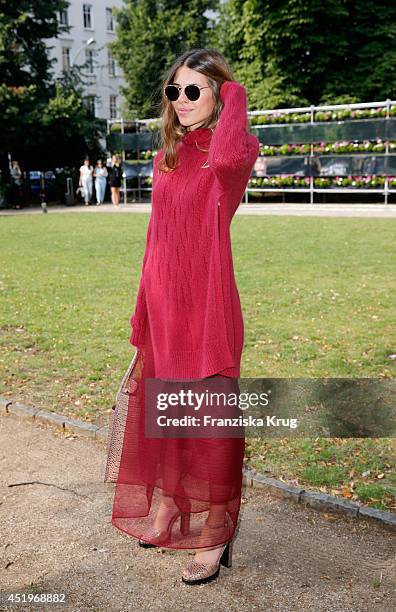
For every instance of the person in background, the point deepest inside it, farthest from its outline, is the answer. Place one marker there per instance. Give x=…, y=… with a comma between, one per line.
x=115, y=175
x=86, y=180
x=17, y=182
x=100, y=175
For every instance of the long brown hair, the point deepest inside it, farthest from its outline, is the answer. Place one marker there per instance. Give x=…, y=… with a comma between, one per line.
x=213, y=65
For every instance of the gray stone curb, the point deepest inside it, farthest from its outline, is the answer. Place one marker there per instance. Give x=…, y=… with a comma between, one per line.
x=53, y=419
x=320, y=501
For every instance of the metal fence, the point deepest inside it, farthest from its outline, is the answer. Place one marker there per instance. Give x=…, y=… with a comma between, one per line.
x=304, y=128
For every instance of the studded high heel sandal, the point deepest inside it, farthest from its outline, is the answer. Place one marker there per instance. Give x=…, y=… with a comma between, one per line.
x=199, y=573
x=153, y=537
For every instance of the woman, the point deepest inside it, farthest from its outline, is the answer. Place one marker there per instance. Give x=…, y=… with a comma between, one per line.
x=86, y=180
x=115, y=175
x=17, y=183
x=100, y=174
x=187, y=324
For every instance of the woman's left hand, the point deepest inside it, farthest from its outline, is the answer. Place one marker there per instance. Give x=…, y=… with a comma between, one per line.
x=227, y=85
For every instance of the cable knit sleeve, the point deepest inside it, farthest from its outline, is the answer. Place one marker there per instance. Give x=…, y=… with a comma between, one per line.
x=232, y=149
x=139, y=318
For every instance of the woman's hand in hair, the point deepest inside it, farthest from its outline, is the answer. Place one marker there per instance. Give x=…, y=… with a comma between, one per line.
x=227, y=85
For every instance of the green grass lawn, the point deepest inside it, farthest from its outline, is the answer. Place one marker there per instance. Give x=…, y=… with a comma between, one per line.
x=318, y=301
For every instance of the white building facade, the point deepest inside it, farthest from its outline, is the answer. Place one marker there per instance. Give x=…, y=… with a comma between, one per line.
x=92, y=27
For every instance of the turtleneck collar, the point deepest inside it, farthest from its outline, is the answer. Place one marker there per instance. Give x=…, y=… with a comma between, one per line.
x=200, y=135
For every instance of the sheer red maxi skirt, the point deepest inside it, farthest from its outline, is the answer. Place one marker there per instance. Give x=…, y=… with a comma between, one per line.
x=203, y=476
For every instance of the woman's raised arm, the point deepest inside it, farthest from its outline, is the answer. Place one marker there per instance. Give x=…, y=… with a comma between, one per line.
x=232, y=149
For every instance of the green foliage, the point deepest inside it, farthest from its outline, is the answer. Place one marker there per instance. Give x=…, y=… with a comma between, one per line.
x=287, y=54
x=295, y=53
x=24, y=26
x=14, y=99
x=64, y=118
x=63, y=105
x=150, y=35
x=43, y=124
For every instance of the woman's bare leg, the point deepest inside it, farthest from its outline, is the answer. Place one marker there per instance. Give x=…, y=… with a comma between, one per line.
x=115, y=195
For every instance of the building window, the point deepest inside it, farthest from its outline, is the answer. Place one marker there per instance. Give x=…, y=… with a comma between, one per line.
x=113, y=107
x=109, y=20
x=90, y=60
x=63, y=18
x=111, y=63
x=87, y=15
x=65, y=59
x=90, y=105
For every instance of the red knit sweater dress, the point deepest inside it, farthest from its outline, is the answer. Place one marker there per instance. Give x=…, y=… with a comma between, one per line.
x=187, y=289
x=187, y=325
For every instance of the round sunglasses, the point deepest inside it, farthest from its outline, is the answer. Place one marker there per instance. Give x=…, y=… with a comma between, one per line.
x=192, y=92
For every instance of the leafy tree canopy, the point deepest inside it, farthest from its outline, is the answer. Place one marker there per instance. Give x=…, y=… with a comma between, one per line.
x=43, y=123
x=287, y=53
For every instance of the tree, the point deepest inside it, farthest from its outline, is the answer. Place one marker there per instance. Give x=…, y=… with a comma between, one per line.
x=150, y=35
x=24, y=26
x=66, y=119
x=43, y=123
x=301, y=52
x=370, y=70
x=243, y=34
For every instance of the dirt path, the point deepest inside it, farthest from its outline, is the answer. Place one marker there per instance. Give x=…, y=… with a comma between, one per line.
x=60, y=539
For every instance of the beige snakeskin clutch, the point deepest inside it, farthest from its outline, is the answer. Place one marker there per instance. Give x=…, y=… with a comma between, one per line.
x=117, y=422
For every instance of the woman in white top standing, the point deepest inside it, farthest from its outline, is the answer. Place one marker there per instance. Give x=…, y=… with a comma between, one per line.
x=86, y=180
x=100, y=174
